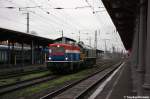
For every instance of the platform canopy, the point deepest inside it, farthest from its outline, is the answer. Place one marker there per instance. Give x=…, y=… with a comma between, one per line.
x=11, y=35
x=123, y=14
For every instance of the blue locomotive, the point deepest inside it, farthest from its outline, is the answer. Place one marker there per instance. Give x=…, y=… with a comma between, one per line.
x=66, y=55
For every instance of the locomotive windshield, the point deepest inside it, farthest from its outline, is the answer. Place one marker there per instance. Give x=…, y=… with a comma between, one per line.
x=57, y=50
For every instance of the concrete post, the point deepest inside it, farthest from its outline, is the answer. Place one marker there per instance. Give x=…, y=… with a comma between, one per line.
x=141, y=52
x=146, y=85
x=32, y=53
x=22, y=51
x=38, y=53
x=13, y=54
x=135, y=53
x=134, y=61
x=9, y=53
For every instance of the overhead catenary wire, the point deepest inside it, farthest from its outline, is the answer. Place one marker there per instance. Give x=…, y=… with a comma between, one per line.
x=64, y=21
x=20, y=23
x=14, y=7
x=48, y=12
x=49, y=19
x=19, y=7
x=59, y=11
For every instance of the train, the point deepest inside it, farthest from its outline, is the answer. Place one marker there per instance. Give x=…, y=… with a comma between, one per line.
x=67, y=56
x=15, y=56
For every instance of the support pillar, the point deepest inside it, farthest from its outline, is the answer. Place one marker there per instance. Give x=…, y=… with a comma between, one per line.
x=38, y=54
x=146, y=85
x=32, y=52
x=13, y=54
x=134, y=61
x=9, y=53
x=141, y=52
x=45, y=55
x=135, y=53
x=22, y=51
x=41, y=58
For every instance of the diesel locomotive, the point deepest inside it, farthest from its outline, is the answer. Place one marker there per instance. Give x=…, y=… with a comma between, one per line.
x=66, y=56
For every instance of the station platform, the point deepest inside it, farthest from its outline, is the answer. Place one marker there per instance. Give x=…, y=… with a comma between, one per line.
x=119, y=87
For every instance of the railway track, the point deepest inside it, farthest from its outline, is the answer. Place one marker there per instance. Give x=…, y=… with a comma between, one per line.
x=10, y=75
x=26, y=83
x=77, y=89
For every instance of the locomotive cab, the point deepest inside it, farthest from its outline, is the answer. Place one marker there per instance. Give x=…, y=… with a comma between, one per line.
x=63, y=53
x=56, y=53
x=63, y=56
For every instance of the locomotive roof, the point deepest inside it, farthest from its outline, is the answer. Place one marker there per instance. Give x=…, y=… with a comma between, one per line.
x=61, y=44
x=67, y=46
x=66, y=38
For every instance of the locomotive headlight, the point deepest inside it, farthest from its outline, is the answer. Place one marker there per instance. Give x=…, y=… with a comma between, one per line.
x=66, y=58
x=58, y=45
x=49, y=58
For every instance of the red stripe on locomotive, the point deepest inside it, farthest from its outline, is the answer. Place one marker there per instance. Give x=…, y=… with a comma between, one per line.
x=66, y=46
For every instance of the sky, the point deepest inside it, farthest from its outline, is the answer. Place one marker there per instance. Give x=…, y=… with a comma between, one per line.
x=48, y=18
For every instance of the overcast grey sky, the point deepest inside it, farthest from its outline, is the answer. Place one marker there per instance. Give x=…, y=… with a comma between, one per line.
x=85, y=16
